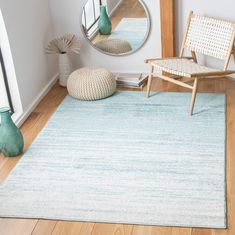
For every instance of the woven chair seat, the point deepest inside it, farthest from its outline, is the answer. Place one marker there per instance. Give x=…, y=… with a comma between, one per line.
x=181, y=67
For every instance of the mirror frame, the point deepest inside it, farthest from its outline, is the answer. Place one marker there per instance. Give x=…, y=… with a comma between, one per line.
x=167, y=29
x=127, y=53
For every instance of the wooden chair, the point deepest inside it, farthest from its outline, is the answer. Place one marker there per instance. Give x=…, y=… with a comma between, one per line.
x=204, y=35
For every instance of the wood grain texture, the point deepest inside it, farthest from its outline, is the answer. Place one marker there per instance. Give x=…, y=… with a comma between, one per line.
x=87, y=228
x=201, y=232
x=41, y=115
x=112, y=229
x=17, y=227
x=181, y=231
x=44, y=227
x=167, y=27
x=151, y=230
x=66, y=227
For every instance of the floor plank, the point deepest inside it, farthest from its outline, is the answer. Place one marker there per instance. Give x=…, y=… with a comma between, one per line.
x=112, y=229
x=231, y=216
x=219, y=232
x=87, y=228
x=198, y=231
x=44, y=227
x=2, y=160
x=151, y=230
x=17, y=227
x=67, y=227
x=181, y=231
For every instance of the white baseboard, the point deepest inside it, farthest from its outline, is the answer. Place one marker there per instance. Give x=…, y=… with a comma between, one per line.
x=20, y=119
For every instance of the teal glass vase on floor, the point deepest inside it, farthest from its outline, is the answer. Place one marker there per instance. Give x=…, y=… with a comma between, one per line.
x=104, y=24
x=11, y=139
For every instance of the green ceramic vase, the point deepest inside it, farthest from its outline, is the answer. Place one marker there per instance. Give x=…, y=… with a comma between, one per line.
x=11, y=139
x=104, y=24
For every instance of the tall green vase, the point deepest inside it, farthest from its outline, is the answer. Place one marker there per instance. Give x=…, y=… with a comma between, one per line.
x=11, y=139
x=104, y=24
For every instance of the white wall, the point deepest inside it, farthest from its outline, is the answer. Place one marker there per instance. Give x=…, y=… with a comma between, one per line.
x=67, y=16
x=213, y=8
x=29, y=27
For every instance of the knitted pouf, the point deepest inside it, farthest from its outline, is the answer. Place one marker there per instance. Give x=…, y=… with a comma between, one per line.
x=91, y=84
x=114, y=46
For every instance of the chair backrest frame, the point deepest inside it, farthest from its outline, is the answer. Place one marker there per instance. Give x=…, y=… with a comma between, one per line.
x=210, y=37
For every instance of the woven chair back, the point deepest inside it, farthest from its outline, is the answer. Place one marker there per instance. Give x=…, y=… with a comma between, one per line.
x=209, y=36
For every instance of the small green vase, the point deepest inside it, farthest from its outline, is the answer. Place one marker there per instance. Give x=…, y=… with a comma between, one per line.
x=11, y=139
x=104, y=24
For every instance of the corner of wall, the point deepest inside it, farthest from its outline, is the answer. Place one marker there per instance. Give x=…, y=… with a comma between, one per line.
x=19, y=119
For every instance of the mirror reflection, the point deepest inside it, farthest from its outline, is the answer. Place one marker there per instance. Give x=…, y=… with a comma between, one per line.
x=116, y=27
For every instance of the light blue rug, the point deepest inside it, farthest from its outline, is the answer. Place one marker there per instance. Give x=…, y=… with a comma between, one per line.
x=126, y=159
x=132, y=30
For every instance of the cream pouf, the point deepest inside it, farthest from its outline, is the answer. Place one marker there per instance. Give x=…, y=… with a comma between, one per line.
x=114, y=46
x=91, y=84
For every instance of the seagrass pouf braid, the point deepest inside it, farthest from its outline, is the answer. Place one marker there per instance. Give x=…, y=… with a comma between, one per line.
x=91, y=84
x=114, y=46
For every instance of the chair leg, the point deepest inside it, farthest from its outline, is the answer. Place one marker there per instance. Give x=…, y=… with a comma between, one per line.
x=150, y=81
x=194, y=92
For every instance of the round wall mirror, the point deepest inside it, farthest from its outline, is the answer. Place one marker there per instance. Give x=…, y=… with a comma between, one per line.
x=116, y=27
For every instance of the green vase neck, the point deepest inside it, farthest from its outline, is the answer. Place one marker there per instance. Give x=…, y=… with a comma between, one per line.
x=103, y=10
x=6, y=117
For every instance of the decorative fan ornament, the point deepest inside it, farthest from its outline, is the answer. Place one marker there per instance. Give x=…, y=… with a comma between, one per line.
x=64, y=44
x=61, y=46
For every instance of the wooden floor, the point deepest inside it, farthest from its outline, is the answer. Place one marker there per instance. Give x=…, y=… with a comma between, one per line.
x=41, y=115
x=127, y=9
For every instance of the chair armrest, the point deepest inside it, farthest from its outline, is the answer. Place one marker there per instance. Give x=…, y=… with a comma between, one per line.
x=215, y=73
x=149, y=60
